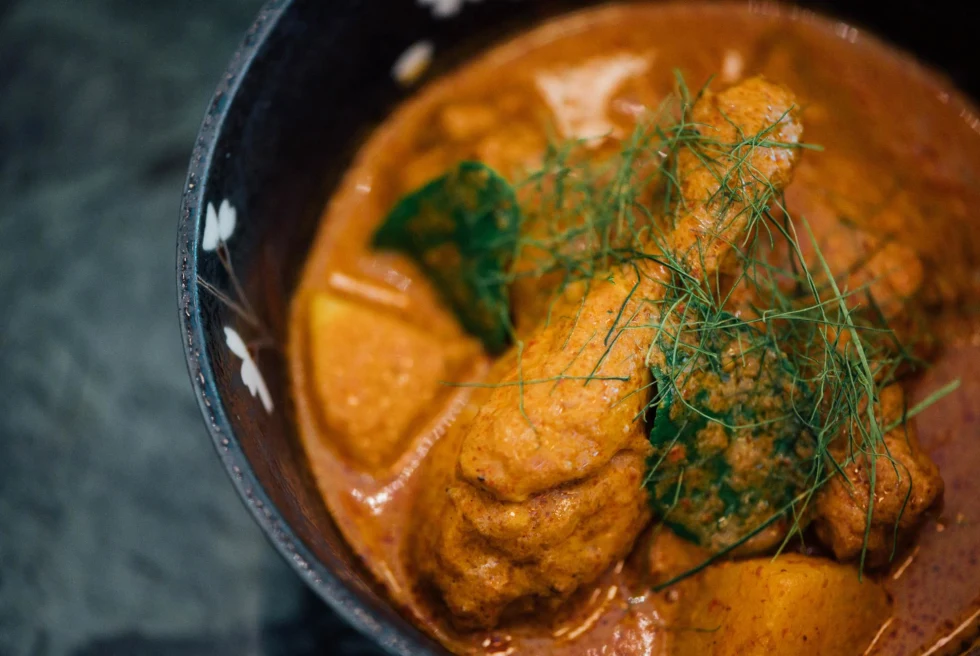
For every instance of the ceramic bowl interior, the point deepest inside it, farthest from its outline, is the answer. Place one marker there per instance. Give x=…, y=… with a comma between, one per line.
x=309, y=82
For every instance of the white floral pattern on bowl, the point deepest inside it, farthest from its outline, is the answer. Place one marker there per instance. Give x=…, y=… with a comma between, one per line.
x=445, y=8
x=251, y=375
x=219, y=226
x=412, y=64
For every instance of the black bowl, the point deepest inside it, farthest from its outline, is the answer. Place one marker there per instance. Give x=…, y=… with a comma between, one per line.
x=308, y=83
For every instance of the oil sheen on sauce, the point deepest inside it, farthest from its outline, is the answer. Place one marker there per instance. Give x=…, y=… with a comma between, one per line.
x=900, y=148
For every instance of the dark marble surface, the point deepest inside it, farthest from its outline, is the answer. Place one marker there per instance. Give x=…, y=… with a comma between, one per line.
x=119, y=532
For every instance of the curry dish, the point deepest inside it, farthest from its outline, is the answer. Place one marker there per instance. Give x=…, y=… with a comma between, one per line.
x=652, y=331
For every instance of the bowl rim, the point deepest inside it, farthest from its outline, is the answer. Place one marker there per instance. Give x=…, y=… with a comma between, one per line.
x=315, y=574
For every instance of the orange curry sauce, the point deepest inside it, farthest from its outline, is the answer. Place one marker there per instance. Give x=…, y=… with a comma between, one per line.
x=901, y=158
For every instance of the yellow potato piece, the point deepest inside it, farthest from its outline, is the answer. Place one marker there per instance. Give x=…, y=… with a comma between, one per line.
x=792, y=606
x=373, y=375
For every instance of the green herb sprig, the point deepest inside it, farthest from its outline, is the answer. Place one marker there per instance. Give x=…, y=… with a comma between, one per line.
x=797, y=363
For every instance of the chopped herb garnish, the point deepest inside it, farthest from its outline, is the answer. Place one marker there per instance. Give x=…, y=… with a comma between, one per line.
x=760, y=360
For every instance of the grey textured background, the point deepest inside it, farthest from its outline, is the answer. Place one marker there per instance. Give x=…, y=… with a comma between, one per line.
x=119, y=532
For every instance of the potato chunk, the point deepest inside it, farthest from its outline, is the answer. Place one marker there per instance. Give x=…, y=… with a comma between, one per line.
x=373, y=374
x=794, y=605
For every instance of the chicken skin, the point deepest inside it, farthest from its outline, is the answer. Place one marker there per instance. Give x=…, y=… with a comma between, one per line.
x=906, y=484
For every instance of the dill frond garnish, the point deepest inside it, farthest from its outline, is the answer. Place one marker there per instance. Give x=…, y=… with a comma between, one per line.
x=766, y=373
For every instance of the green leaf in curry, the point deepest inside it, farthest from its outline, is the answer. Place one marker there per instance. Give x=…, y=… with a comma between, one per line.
x=462, y=229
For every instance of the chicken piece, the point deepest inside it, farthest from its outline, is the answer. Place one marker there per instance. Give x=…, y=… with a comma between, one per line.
x=719, y=481
x=533, y=296
x=704, y=237
x=907, y=483
x=554, y=233
x=538, y=274
x=540, y=490
x=869, y=264
x=514, y=455
x=516, y=549
x=890, y=272
x=793, y=605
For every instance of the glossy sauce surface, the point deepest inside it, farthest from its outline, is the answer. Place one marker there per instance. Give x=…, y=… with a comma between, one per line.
x=901, y=158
